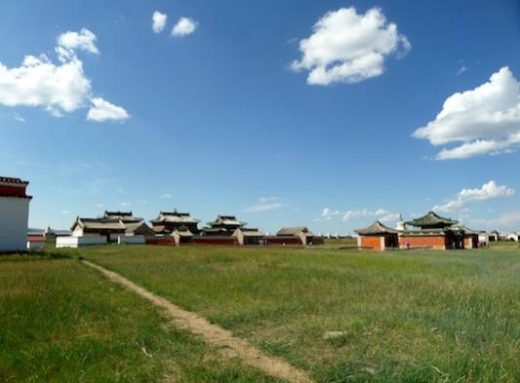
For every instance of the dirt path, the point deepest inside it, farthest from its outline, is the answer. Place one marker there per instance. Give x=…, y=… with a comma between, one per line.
x=229, y=345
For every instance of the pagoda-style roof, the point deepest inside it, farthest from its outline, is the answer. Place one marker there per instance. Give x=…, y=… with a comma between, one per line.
x=377, y=228
x=294, y=231
x=138, y=227
x=432, y=220
x=118, y=214
x=174, y=217
x=125, y=224
x=226, y=220
x=125, y=216
x=462, y=228
x=99, y=224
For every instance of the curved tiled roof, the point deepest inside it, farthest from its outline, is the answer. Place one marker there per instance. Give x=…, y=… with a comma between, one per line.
x=375, y=229
x=432, y=219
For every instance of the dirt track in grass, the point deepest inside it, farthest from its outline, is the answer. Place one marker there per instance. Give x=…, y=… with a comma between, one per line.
x=229, y=346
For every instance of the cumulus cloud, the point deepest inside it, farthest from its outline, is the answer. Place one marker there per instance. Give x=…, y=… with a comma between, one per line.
x=102, y=110
x=185, y=26
x=351, y=215
x=505, y=221
x=264, y=204
x=348, y=47
x=39, y=82
x=70, y=42
x=158, y=21
x=489, y=190
x=485, y=120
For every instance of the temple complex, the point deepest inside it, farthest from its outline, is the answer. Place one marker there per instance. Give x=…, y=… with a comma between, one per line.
x=430, y=231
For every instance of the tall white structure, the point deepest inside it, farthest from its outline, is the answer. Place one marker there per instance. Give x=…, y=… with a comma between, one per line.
x=401, y=226
x=14, y=214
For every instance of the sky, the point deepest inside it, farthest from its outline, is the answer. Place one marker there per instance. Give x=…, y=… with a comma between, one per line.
x=326, y=114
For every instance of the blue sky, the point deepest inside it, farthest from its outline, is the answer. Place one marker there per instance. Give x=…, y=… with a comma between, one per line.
x=259, y=110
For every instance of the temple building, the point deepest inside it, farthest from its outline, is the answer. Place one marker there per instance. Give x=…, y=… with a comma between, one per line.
x=14, y=214
x=377, y=237
x=223, y=225
x=430, y=231
x=433, y=231
x=111, y=225
x=168, y=223
x=294, y=236
x=249, y=236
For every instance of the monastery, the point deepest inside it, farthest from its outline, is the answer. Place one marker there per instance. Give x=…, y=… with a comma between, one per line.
x=429, y=231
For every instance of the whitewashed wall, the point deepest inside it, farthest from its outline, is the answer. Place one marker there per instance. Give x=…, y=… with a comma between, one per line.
x=35, y=245
x=14, y=216
x=131, y=240
x=80, y=241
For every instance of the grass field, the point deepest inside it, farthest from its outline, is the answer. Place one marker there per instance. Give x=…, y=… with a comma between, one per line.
x=400, y=316
x=62, y=322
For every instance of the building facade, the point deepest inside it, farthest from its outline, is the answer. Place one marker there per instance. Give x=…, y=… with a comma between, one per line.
x=14, y=214
x=377, y=237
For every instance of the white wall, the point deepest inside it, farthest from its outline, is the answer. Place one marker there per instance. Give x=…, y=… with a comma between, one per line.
x=35, y=245
x=131, y=240
x=80, y=241
x=14, y=216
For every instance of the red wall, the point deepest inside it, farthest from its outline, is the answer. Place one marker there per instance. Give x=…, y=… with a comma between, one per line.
x=160, y=241
x=371, y=242
x=436, y=242
x=12, y=191
x=226, y=241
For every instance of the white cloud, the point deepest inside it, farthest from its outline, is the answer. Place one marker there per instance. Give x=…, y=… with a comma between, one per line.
x=159, y=21
x=102, y=110
x=185, y=26
x=328, y=214
x=165, y=196
x=351, y=215
x=59, y=88
x=39, y=82
x=485, y=120
x=69, y=42
x=461, y=70
x=264, y=204
x=505, y=221
x=349, y=47
x=125, y=204
x=489, y=190
x=18, y=117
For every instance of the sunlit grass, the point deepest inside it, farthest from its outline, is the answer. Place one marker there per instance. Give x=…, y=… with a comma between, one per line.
x=401, y=316
x=63, y=322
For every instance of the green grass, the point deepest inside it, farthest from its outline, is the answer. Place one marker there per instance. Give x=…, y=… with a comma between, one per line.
x=405, y=316
x=63, y=322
